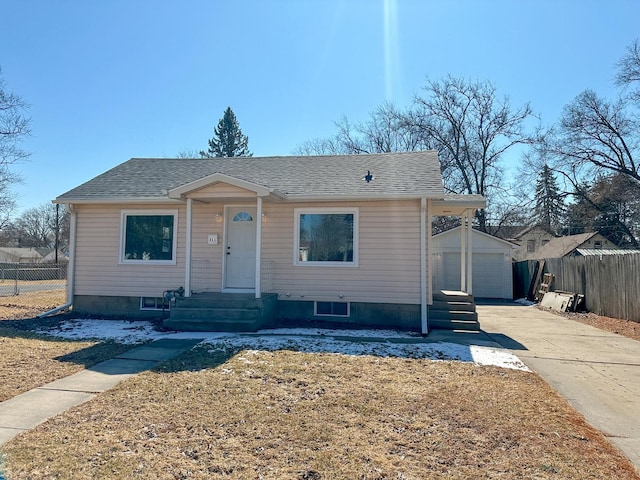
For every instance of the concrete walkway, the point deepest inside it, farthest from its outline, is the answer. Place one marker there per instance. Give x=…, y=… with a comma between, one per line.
x=596, y=371
x=32, y=408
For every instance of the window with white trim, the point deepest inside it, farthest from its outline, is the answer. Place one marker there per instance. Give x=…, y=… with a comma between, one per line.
x=326, y=236
x=148, y=236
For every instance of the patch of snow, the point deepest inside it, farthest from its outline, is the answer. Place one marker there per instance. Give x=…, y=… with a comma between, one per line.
x=121, y=331
x=524, y=301
x=339, y=333
x=310, y=340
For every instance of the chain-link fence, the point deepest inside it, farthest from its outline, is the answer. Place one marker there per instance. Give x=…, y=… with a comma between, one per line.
x=28, y=289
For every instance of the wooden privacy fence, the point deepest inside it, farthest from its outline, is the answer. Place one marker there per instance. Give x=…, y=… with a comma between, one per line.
x=609, y=283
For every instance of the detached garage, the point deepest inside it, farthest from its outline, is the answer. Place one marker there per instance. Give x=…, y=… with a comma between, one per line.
x=492, y=271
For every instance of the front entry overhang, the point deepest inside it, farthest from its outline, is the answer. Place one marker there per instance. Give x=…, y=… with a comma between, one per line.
x=220, y=187
x=210, y=187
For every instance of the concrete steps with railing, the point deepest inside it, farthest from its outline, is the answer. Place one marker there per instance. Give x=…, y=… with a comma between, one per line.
x=222, y=312
x=452, y=310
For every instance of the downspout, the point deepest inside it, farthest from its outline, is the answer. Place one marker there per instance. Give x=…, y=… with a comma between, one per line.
x=258, y=247
x=187, y=259
x=470, y=253
x=424, y=320
x=463, y=252
x=71, y=266
x=429, y=255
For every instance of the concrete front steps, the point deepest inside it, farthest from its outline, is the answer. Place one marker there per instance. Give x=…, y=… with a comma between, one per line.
x=222, y=312
x=453, y=310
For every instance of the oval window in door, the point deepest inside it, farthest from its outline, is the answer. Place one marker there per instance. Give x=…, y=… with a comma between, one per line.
x=243, y=217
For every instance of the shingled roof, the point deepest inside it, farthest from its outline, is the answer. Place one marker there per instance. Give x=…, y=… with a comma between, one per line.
x=395, y=175
x=561, y=246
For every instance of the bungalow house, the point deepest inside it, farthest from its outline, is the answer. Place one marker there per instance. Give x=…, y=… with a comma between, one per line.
x=340, y=238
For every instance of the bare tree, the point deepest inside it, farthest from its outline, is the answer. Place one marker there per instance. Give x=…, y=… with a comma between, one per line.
x=14, y=127
x=472, y=129
x=629, y=71
x=385, y=131
x=594, y=137
x=42, y=226
x=321, y=146
x=465, y=121
x=188, y=153
x=599, y=139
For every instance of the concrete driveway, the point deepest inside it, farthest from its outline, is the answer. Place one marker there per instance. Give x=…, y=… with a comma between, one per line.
x=596, y=371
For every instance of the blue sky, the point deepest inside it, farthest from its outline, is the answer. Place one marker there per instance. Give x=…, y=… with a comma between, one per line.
x=117, y=79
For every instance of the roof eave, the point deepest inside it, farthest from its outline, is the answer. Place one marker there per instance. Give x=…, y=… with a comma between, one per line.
x=115, y=200
x=356, y=198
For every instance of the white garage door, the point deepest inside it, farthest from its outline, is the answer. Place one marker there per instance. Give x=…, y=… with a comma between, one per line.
x=489, y=275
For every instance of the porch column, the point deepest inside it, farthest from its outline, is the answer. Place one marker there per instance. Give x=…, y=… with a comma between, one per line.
x=187, y=255
x=463, y=252
x=470, y=252
x=424, y=325
x=429, y=254
x=258, y=248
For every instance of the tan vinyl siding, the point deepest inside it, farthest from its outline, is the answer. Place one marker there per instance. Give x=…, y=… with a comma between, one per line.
x=98, y=271
x=388, y=268
x=206, y=264
x=222, y=190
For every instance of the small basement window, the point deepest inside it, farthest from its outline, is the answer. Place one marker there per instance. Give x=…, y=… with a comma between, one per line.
x=153, y=303
x=333, y=309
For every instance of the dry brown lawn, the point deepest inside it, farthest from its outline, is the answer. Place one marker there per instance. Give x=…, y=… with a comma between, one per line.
x=28, y=360
x=30, y=304
x=288, y=415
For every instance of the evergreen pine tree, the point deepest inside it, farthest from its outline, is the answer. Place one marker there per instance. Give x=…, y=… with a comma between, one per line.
x=228, y=140
x=550, y=208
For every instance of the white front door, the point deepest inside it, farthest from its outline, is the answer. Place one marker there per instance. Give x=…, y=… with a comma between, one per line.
x=240, y=248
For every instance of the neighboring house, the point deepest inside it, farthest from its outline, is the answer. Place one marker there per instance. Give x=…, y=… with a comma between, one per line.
x=51, y=257
x=20, y=255
x=341, y=238
x=492, y=271
x=569, y=245
x=531, y=240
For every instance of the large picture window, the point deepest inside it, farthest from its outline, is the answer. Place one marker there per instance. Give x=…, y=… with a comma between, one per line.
x=326, y=237
x=148, y=237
